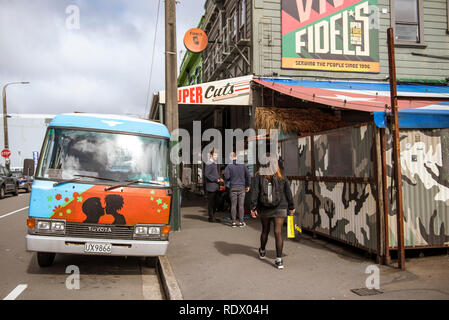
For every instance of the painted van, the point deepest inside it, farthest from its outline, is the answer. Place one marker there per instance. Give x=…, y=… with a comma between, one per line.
x=101, y=188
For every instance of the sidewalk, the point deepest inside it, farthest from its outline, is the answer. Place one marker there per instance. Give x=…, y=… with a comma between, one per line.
x=216, y=262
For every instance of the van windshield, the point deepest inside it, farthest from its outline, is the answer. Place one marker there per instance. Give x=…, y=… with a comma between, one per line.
x=88, y=155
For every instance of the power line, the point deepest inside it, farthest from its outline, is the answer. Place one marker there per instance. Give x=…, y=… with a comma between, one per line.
x=152, y=59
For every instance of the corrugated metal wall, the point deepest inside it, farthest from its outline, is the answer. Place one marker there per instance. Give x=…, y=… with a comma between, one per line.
x=334, y=189
x=425, y=179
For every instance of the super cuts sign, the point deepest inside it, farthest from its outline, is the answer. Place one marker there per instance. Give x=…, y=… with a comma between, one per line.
x=233, y=91
x=330, y=35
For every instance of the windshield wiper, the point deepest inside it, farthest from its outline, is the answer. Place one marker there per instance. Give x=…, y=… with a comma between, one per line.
x=79, y=176
x=157, y=182
x=66, y=181
x=130, y=182
x=123, y=184
x=93, y=177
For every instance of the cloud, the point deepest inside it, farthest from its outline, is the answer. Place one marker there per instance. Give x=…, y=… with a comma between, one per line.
x=103, y=67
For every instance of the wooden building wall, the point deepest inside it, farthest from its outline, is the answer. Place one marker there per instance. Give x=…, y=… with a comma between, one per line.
x=267, y=45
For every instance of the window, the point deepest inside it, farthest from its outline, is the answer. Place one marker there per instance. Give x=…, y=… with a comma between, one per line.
x=407, y=21
x=243, y=18
x=447, y=9
x=290, y=156
x=197, y=75
x=340, y=154
x=235, y=25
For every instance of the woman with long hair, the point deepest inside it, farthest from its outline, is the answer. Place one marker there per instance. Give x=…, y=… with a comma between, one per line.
x=272, y=201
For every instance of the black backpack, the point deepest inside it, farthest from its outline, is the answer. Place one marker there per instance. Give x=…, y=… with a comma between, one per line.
x=264, y=192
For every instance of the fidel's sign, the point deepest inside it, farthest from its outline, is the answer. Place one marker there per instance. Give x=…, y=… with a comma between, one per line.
x=330, y=35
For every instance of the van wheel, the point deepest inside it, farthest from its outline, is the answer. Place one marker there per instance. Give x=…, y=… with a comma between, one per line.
x=45, y=259
x=28, y=188
x=2, y=192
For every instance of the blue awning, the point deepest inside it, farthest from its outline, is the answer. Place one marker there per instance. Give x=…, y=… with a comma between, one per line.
x=417, y=119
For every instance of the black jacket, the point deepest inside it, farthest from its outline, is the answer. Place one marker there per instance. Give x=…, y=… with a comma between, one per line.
x=212, y=176
x=286, y=200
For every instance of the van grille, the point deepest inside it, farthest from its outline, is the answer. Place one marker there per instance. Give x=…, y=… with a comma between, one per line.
x=81, y=230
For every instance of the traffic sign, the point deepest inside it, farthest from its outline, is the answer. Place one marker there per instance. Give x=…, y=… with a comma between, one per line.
x=6, y=153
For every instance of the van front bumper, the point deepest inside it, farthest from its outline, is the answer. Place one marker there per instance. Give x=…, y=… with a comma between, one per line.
x=76, y=246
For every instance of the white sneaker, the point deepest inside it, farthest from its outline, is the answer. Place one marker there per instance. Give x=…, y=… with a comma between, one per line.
x=278, y=263
x=262, y=254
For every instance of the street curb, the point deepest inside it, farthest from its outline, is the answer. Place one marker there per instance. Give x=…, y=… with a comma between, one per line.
x=168, y=278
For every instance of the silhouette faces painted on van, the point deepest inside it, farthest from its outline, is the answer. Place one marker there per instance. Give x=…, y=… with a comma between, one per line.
x=115, y=203
x=94, y=210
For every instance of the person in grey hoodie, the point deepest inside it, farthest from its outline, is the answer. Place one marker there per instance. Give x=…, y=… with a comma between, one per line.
x=239, y=182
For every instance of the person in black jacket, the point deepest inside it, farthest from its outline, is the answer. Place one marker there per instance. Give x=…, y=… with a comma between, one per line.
x=213, y=181
x=276, y=212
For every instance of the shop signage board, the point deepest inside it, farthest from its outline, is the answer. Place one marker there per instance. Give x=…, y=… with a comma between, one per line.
x=330, y=35
x=233, y=91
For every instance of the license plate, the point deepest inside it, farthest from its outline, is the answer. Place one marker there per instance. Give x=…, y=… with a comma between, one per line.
x=105, y=248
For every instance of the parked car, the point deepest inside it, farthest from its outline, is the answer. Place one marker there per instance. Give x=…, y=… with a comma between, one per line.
x=8, y=183
x=23, y=182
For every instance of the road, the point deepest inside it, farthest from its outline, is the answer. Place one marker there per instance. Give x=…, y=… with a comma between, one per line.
x=100, y=278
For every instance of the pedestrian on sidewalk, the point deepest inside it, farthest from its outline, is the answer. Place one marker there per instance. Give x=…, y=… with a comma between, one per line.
x=272, y=201
x=213, y=181
x=239, y=179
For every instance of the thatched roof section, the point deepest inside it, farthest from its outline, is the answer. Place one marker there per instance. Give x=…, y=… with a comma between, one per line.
x=295, y=120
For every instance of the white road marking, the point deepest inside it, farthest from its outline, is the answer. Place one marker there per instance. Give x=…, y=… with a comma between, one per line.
x=16, y=292
x=8, y=214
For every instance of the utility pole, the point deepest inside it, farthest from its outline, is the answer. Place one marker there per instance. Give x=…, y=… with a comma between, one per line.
x=171, y=104
x=5, y=118
x=396, y=150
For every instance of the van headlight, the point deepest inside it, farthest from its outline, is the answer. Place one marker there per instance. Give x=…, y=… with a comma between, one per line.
x=43, y=225
x=49, y=227
x=58, y=226
x=143, y=232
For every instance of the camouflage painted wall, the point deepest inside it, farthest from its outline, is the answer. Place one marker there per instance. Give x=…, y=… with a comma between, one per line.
x=345, y=210
x=425, y=179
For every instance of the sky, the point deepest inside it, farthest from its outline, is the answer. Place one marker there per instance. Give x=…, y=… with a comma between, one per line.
x=86, y=55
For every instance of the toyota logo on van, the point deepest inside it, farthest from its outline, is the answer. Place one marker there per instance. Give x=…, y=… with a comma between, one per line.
x=100, y=229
